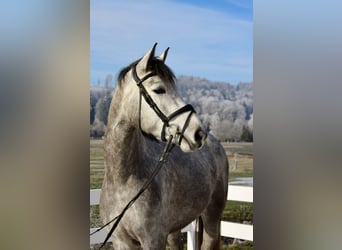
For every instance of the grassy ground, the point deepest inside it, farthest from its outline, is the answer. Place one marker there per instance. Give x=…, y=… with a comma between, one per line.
x=240, y=156
x=96, y=163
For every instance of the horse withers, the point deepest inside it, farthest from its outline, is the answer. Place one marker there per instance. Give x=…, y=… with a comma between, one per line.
x=145, y=111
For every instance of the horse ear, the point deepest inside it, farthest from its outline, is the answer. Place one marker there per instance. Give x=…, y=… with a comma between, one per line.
x=145, y=61
x=163, y=56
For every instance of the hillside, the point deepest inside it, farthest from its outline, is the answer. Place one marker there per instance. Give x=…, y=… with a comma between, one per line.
x=223, y=108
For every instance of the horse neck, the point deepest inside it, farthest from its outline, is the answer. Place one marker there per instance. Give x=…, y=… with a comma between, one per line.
x=123, y=144
x=123, y=150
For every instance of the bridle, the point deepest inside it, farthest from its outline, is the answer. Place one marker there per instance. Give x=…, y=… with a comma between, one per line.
x=165, y=119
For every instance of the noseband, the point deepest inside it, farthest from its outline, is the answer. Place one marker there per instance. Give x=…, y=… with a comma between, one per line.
x=166, y=119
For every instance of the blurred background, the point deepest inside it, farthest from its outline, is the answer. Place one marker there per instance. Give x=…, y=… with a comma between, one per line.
x=44, y=143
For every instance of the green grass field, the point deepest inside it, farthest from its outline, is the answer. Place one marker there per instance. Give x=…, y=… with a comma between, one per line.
x=240, y=156
x=96, y=163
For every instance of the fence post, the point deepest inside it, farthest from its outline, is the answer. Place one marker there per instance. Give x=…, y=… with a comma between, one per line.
x=191, y=236
x=235, y=162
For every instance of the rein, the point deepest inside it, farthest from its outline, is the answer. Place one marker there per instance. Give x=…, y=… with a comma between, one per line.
x=168, y=147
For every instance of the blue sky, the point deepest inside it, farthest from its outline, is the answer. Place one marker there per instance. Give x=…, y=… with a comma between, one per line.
x=209, y=39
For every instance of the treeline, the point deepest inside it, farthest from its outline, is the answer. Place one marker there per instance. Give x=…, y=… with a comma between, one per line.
x=225, y=110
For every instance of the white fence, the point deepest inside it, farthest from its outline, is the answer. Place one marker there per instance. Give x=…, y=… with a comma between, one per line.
x=228, y=229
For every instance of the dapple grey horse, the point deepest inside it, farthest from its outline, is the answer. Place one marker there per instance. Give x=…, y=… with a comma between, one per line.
x=193, y=182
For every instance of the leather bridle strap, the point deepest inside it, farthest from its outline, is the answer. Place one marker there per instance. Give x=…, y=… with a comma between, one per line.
x=147, y=97
x=155, y=108
x=182, y=110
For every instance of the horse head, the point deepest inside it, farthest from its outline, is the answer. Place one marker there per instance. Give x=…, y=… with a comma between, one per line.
x=156, y=108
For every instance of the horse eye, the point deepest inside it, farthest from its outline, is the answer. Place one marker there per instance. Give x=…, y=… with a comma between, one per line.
x=159, y=91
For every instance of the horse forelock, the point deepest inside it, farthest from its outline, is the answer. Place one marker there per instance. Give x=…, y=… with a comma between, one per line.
x=156, y=66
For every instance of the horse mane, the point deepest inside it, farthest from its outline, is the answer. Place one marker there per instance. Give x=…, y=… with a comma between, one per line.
x=156, y=66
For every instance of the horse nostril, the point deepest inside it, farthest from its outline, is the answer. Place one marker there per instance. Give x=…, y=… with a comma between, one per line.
x=200, y=135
